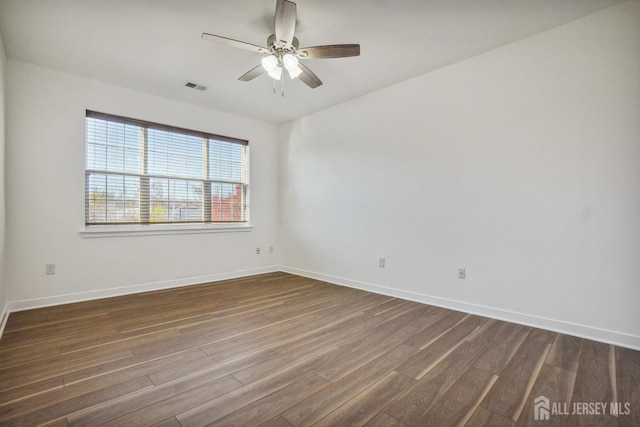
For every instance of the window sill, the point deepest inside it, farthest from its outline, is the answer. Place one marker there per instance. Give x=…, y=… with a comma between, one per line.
x=160, y=229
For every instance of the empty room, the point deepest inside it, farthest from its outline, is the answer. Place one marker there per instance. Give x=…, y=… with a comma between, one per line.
x=278, y=213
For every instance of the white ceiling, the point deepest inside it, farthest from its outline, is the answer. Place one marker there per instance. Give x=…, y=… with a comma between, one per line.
x=154, y=45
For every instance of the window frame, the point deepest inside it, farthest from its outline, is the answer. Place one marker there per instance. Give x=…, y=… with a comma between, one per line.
x=145, y=225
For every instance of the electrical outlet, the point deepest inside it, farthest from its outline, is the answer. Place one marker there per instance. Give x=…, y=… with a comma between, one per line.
x=50, y=269
x=462, y=273
x=381, y=262
x=257, y=251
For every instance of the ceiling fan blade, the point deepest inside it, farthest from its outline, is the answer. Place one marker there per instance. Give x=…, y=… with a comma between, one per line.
x=234, y=43
x=308, y=77
x=285, y=21
x=252, y=73
x=329, y=51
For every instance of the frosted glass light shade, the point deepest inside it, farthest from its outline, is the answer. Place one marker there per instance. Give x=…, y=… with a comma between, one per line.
x=294, y=72
x=269, y=63
x=276, y=73
x=290, y=61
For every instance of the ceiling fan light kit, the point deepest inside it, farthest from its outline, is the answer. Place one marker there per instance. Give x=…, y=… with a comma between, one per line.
x=273, y=65
x=283, y=51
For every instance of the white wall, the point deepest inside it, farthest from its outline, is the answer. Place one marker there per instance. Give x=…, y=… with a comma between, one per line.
x=3, y=282
x=521, y=165
x=45, y=195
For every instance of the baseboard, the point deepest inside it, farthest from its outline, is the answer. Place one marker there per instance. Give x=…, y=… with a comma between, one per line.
x=4, y=316
x=126, y=290
x=582, y=331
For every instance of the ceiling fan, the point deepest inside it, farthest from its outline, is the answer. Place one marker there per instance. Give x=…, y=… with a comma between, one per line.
x=283, y=49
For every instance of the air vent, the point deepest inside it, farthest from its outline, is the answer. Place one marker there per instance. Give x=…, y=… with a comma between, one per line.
x=195, y=86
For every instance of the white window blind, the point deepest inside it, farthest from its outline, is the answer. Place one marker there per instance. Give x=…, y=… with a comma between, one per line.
x=147, y=173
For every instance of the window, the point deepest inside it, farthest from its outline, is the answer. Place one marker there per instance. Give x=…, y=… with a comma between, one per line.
x=146, y=173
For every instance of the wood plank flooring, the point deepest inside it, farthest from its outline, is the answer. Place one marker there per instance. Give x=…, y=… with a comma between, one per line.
x=283, y=350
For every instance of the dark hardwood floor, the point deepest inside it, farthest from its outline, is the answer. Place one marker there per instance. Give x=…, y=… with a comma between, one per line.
x=282, y=350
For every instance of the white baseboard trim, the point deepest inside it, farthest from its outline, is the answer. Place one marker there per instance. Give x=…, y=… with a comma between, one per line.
x=4, y=316
x=134, y=289
x=568, y=328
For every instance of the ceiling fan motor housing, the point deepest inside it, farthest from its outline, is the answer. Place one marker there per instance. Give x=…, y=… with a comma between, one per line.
x=280, y=45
